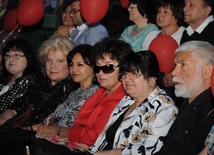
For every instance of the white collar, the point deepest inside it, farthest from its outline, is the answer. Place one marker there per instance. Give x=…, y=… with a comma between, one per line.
x=82, y=27
x=199, y=29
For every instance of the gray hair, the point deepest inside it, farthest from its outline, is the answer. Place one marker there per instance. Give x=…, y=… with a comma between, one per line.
x=203, y=50
x=55, y=43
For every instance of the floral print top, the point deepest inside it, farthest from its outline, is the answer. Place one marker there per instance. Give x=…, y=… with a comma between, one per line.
x=141, y=131
x=210, y=141
x=66, y=112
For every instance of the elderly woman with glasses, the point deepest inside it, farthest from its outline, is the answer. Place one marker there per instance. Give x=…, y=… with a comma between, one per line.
x=142, y=118
x=19, y=75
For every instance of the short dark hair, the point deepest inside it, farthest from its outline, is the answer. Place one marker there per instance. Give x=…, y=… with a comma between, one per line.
x=85, y=51
x=176, y=6
x=24, y=47
x=113, y=47
x=144, y=62
x=211, y=4
x=147, y=8
x=66, y=4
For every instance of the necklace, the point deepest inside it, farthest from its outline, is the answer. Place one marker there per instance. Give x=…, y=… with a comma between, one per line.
x=136, y=30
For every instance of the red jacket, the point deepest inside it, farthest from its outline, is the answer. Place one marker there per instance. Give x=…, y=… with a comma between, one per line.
x=93, y=116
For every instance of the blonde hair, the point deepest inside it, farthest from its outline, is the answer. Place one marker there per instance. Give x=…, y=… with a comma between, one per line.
x=55, y=43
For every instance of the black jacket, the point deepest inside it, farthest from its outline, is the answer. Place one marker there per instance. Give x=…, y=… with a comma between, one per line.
x=189, y=131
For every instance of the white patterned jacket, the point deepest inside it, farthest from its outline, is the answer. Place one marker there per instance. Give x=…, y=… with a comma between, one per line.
x=140, y=133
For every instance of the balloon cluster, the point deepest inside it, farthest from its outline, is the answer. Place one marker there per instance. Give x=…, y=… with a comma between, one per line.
x=28, y=13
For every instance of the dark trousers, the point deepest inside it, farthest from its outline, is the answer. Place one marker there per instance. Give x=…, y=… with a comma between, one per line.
x=14, y=142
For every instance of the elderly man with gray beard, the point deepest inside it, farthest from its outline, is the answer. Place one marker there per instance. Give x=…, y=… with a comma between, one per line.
x=192, y=73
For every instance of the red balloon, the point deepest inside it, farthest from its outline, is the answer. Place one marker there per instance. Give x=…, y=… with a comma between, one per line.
x=212, y=84
x=164, y=48
x=30, y=12
x=93, y=10
x=124, y=3
x=10, y=20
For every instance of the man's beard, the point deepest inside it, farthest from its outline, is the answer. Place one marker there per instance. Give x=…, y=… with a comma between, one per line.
x=187, y=90
x=180, y=88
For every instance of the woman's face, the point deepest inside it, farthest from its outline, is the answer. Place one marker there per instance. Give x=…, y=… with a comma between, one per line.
x=136, y=85
x=165, y=18
x=15, y=63
x=134, y=14
x=67, y=19
x=56, y=66
x=80, y=71
x=108, y=80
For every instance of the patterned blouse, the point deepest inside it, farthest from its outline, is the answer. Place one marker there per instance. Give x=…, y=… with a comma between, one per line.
x=210, y=141
x=66, y=112
x=15, y=92
x=139, y=39
x=140, y=133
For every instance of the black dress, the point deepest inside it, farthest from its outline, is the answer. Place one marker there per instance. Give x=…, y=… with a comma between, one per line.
x=43, y=99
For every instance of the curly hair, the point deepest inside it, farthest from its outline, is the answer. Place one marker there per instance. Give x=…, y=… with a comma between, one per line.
x=55, y=43
x=113, y=47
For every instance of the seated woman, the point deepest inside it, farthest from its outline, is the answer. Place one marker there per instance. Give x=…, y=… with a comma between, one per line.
x=67, y=24
x=170, y=18
x=56, y=87
x=142, y=118
x=81, y=70
x=19, y=75
x=143, y=31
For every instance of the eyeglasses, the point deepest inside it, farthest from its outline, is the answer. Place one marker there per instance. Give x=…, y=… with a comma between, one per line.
x=74, y=11
x=14, y=56
x=107, y=69
x=71, y=11
x=130, y=75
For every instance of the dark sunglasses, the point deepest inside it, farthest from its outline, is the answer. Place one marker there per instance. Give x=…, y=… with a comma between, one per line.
x=107, y=69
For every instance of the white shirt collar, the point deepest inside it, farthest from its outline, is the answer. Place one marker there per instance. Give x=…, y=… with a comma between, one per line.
x=199, y=29
x=82, y=27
